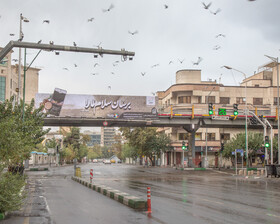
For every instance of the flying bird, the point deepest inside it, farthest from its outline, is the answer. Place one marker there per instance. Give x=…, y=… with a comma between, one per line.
x=133, y=33
x=94, y=73
x=15, y=60
x=181, y=61
x=66, y=69
x=109, y=9
x=170, y=62
x=143, y=73
x=112, y=73
x=198, y=61
x=75, y=45
x=220, y=35
x=90, y=19
x=216, y=12
x=46, y=21
x=115, y=64
x=95, y=64
x=153, y=66
x=217, y=47
x=12, y=34
x=206, y=6
x=109, y=87
x=39, y=41
x=75, y=65
x=166, y=6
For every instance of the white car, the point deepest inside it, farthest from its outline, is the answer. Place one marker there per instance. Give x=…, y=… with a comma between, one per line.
x=94, y=161
x=106, y=161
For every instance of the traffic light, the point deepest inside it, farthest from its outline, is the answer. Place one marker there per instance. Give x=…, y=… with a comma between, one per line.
x=235, y=109
x=183, y=145
x=266, y=141
x=210, y=108
x=222, y=147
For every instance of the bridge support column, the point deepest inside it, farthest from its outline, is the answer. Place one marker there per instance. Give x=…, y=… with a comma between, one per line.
x=191, y=129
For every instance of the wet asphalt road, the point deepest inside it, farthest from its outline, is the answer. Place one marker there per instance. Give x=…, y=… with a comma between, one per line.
x=177, y=197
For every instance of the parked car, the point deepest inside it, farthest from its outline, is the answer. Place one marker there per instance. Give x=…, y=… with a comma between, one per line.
x=106, y=161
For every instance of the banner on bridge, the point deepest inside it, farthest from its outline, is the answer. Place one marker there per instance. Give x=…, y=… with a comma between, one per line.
x=61, y=104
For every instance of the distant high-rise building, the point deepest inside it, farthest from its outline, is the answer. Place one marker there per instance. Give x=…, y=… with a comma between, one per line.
x=107, y=136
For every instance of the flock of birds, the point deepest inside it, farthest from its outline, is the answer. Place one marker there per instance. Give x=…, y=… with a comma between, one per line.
x=206, y=6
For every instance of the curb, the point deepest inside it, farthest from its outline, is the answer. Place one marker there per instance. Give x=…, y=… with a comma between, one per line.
x=124, y=198
x=38, y=169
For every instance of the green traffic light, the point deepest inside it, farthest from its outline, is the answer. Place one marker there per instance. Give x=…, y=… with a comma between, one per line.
x=266, y=145
x=210, y=112
x=235, y=113
x=183, y=147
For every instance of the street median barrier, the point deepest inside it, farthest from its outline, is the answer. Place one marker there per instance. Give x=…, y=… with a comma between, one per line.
x=124, y=198
x=39, y=169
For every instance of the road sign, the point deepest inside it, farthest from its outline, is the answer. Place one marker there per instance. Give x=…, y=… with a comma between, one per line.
x=222, y=111
x=232, y=153
x=222, y=118
x=239, y=150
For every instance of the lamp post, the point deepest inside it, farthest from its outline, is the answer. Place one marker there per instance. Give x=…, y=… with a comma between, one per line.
x=206, y=137
x=21, y=35
x=275, y=60
x=246, y=115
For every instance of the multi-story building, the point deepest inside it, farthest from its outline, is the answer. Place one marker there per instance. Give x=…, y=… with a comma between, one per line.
x=95, y=138
x=9, y=80
x=189, y=91
x=107, y=136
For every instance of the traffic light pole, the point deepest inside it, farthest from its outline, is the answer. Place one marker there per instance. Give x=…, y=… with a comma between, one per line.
x=264, y=134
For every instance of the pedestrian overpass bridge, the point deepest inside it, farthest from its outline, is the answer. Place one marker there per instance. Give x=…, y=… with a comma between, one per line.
x=163, y=120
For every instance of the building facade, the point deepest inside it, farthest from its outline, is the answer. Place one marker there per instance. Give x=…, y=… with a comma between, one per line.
x=189, y=91
x=107, y=136
x=9, y=80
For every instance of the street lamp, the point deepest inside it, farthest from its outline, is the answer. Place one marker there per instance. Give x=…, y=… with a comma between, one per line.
x=275, y=60
x=246, y=115
x=21, y=35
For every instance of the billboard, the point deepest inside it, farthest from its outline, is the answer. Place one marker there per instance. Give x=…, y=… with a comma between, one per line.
x=61, y=104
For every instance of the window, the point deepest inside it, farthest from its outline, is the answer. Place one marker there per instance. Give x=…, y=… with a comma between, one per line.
x=211, y=99
x=183, y=136
x=211, y=137
x=2, y=88
x=257, y=101
x=11, y=87
x=275, y=100
x=184, y=99
x=224, y=100
x=199, y=99
x=225, y=136
x=2, y=71
x=198, y=136
x=240, y=100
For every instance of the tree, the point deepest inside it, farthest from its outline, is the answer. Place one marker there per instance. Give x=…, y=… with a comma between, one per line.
x=117, y=146
x=255, y=142
x=75, y=139
x=147, y=141
x=19, y=137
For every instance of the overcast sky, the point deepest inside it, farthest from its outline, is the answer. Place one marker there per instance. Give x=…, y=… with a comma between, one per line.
x=183, y=31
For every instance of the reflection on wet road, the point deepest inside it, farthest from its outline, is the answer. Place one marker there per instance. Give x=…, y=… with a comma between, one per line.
x=195, y=196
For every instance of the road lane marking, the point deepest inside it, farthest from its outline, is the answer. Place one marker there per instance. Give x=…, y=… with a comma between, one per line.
x=272, y=215
x=220, y=203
